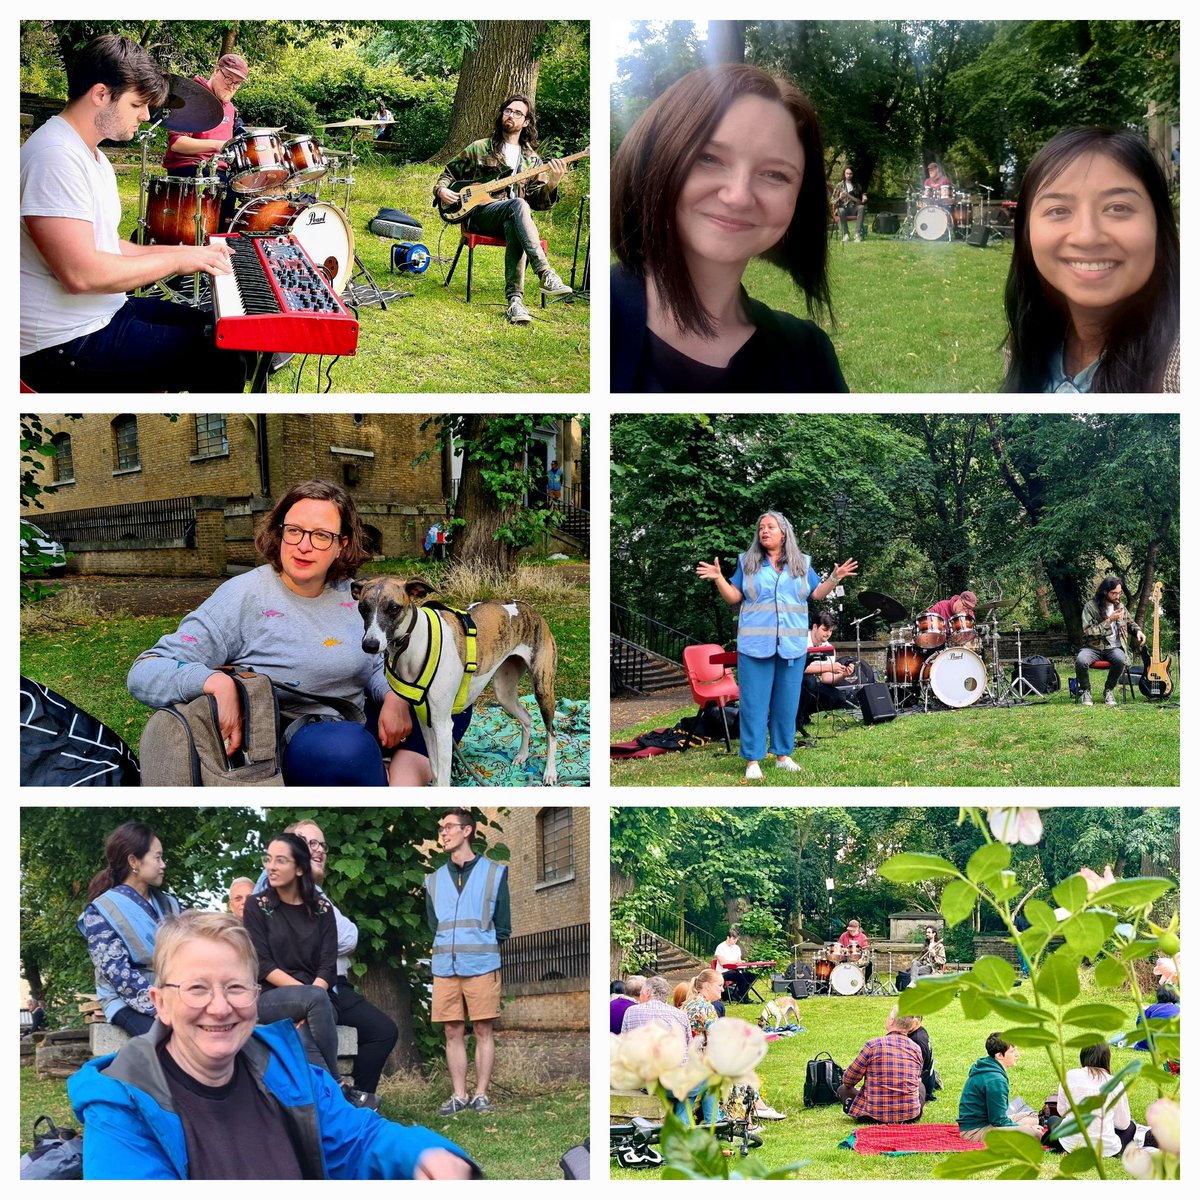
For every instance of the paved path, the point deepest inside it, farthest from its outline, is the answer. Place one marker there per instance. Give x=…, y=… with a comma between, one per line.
x=632, y=709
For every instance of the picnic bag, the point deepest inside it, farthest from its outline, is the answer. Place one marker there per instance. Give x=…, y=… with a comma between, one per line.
x=57, y=1153
x=182, y=744
x=822, y=1078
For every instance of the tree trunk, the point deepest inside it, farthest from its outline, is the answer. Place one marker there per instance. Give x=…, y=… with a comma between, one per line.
x=229, y=38
x=479, y=510
x=619, y=886
x=500, y=64
x=726, y=42
x=388, y=989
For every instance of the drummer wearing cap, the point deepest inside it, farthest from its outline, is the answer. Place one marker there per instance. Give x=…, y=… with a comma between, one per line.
x=935, y=181
x=853, y=942
x=189, y=153
x=964, y=602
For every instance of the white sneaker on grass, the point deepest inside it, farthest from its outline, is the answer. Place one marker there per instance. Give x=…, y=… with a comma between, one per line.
x=753, y=771
x=517, y=313
x=1109, y=698
x=1085, y=698
x=553, y=286
x=786, y=764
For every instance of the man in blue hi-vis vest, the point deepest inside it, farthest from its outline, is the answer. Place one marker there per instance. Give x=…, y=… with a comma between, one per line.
x=468, y=910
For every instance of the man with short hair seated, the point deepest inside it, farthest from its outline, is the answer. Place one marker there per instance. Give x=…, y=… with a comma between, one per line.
x=889, y=1069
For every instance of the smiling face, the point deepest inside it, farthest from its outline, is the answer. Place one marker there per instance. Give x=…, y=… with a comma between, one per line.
x=310, y=831
x=1093, y=236
x=453, y=833
x=303, y=567
x=740, y=194
x=204, y=1041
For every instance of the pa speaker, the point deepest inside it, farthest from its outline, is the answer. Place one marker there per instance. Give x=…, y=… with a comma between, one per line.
x=885, y=223
x=979, y=237
x=875, y=703
x=801, y=989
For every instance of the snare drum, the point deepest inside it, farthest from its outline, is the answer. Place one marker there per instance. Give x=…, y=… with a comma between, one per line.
x=256, y=161
x=962, y=629
x=305, y=160
x=171, y=206
x=931, y=631
x=321, y=229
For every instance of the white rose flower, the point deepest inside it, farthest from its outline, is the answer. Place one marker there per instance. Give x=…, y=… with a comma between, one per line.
x=735, y=1048
x=680, y=1080
x=621, y=1077
x=1163, y=1117
x=1013, y=825
x=649, y=1050
x=1138, y=1162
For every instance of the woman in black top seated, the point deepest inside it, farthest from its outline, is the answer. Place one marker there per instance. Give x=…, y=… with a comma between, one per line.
x=724, y=166
x=294, y=933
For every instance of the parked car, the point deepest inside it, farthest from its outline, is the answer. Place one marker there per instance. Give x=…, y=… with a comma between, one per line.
x=39, y=550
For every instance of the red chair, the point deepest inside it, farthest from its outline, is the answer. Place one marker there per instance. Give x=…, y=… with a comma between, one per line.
x=1126, y=680
x=712, y=682
x=471, y=240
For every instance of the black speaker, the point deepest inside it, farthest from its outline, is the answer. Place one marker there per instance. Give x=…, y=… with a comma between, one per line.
x=801, y=989
x=885, y=223
x=979, y=236
x=875, y=703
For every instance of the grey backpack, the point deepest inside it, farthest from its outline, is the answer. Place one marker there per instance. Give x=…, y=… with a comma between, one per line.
x=182, y=745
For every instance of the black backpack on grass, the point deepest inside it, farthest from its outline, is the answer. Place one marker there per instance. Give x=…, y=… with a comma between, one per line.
x=822, y=1079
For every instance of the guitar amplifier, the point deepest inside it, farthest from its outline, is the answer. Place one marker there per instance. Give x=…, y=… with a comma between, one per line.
x=801, y=989
x=875, y=703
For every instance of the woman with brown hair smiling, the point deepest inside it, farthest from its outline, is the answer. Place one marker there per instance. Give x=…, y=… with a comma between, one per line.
x=725, y=166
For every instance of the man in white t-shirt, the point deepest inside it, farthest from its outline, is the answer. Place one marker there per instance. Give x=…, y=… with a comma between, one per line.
x=79, y=331
x=508, y=151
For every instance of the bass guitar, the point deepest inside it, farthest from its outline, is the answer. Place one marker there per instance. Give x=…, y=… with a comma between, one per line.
x=1156, y=682
x=472, y=193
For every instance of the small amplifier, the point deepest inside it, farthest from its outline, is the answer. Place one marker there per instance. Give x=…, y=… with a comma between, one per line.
x=875, y=703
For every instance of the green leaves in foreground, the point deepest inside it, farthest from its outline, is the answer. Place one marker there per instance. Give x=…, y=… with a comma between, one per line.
x=692, y=1152
x=916, y=868
x=1018, y=1154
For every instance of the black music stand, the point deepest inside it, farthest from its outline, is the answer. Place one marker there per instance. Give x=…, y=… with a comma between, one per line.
x=740, y=985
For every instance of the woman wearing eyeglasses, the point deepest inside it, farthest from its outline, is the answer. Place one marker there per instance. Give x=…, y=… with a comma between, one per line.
x=206, y=1095
x=125, y=906
x=294, y=933
x=293, y=620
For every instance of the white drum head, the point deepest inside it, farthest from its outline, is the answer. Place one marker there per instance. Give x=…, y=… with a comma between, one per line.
x=847, y=979
x=931, y=223
x=328, y=240
x=957, y=677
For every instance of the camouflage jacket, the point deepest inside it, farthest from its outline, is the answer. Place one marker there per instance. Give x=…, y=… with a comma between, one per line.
x=1096, y=634
x=478, y=162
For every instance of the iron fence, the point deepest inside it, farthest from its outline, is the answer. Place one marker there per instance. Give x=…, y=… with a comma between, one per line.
x=171, y=520
x=562, y=953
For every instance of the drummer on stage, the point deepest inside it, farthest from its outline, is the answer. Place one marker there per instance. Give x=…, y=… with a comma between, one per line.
x=935, y=182
x=853, y=943
x=964, y=602
x=189, y=153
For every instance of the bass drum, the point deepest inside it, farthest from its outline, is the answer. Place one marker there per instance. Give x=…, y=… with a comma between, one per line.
x=932, y=223
x=847, y=979
x=321, y=229
x=957, y=678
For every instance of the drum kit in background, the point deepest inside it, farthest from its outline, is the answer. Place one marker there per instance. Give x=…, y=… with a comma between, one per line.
x=848, y=971
x=941, y=214
x=278, y=184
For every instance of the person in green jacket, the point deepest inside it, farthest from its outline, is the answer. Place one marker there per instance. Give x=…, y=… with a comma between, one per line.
x=983, y=1105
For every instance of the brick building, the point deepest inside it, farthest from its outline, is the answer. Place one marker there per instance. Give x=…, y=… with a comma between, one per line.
x=142, y=493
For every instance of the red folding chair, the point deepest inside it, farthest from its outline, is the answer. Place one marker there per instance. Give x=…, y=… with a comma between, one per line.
x=711, y=681
x=471, y=241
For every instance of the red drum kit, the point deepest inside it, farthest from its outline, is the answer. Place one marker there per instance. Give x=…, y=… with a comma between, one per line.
x=842, y=970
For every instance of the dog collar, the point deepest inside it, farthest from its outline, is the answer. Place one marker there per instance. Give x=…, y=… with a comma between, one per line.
x=417, y=691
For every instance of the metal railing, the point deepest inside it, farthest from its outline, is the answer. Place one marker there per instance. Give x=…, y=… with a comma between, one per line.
x=575, y=521
x=562, y=953
x=627, y=667
x=671, y=927
x=171, y=520
x=648, y=633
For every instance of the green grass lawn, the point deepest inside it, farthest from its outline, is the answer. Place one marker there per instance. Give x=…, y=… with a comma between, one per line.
x=523, y=1139
x=841, y=1026
x=435, y=341
x=88, y=661
x=912, y=316
x=1058, y=744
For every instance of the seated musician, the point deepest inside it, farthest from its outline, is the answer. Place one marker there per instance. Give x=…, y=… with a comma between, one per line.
x=1106, y=625
x=932, y=959
x=383, y=115
x=509, y=150
x=853, y=943
x=189, y=154
x=849, y=200
x=822, y=673
x=79, y=331
x=935, y=181
x=952, y=606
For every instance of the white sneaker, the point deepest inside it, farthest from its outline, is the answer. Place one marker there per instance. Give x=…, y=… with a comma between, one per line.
x=553, y=286
x=764, y=1112
x=753, y=771
x=1109, y=698
x=786, y=764
x=1086, y=699
x=845, y=237
x=517, y=313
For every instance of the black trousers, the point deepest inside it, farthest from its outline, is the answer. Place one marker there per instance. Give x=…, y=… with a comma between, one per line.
x=377, y=1034
x=816, y=695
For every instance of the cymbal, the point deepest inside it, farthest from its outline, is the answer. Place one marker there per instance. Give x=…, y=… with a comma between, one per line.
x=191, y=106
x=890, y=609
x=355, y=123
x=325, y=150
x=984, y=609
x=265, y=129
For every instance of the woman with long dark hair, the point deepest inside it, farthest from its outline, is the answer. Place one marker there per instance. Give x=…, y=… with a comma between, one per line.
x=774, y=583
x=725, y=166
x=294, y=933
x=1093, y=289
x=1106, y=629
x=125, y=906
x=1112, y=1128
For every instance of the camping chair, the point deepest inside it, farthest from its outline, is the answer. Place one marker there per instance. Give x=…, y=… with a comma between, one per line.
x=711, y=681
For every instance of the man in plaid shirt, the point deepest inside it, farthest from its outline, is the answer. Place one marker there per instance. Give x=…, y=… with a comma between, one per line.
x=890, y=1070
x=509, y=151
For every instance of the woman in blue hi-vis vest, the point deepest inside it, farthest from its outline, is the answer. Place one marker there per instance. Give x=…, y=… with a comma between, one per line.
x=773, y=583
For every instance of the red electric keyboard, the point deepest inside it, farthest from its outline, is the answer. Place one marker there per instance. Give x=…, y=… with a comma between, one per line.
x=276, y=300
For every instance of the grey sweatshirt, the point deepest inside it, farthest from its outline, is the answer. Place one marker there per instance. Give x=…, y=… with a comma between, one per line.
x=254, y=620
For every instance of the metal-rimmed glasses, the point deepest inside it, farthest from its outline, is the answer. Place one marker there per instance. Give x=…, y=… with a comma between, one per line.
x=196, y=993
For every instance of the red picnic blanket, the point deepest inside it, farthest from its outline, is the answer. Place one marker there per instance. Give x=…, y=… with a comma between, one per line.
x=908, y=1139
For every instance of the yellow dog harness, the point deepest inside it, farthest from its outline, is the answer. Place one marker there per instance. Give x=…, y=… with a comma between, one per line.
x=416, y=692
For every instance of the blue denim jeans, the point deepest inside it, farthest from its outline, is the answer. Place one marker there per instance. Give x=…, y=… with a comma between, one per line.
x=513, y=221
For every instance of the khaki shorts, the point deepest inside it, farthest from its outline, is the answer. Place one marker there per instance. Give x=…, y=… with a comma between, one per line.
x=457, y=997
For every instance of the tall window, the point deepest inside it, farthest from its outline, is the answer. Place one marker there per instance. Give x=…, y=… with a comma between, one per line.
x=211, y=437
x=555, y=828
x=125, y=442
x=64, y=464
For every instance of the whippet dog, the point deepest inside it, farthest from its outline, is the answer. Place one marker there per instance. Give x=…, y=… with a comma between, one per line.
x=509, y=638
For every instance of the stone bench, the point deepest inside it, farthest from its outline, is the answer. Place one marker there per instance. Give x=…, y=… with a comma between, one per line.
x=624, y=1105
x=108, y=1039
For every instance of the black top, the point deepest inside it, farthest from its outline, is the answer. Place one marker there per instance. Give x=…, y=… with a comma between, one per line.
x=287, y=937
x=784, y=354
x=235, y=1131
x=920, y=1035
